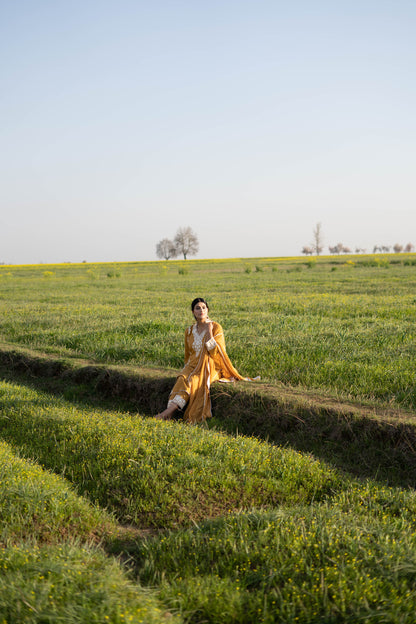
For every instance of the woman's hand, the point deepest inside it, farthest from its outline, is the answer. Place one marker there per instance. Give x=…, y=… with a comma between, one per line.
x=208, y=331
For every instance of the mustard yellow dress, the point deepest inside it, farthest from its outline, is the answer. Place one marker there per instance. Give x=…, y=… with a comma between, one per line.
x=205, y=362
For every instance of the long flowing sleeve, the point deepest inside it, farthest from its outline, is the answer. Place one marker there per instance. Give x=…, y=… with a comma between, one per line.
x=224, y=367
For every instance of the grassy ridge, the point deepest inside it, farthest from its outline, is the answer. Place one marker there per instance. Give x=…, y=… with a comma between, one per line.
x=154, y=473
x=344, y=326
x=316, y=564
x=52, y=569
x=35, y=503
x=328, y=549
x=71, y=583
x=361, y=439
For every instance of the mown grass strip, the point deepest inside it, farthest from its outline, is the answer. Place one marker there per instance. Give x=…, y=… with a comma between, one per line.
x=157, y=474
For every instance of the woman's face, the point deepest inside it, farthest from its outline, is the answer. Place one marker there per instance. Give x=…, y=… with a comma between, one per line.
x=200, y=311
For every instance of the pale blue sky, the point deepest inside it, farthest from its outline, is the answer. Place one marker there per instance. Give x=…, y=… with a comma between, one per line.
x=249, y=121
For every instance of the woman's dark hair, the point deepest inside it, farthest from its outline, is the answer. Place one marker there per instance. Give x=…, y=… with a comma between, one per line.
x=198, y=300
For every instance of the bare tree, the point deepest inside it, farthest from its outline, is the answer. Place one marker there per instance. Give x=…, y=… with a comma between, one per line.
x=186, y=242
x=166, y=249
x=397, y=248
x=409, y=247
x=318, y=240
x=308, y=251
x=336, y=249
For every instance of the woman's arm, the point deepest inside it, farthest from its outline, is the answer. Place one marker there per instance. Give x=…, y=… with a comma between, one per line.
x=214, y=338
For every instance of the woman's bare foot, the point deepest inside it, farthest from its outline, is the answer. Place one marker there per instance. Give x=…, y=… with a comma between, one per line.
x=162, y=416
x=167, y=413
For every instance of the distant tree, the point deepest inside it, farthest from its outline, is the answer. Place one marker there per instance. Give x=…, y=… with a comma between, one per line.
x=409, y=247
x=308, y=251
x=345, y=249
x=166, y=249
x=336, y=249
x=317, y=239
x=186, y=242
x=385, y=248
x=397, y=248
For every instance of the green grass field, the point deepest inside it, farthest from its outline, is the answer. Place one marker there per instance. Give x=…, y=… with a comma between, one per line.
x=305, y=514
x=336, y=325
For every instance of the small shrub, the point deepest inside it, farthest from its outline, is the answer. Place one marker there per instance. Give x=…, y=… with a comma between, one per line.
x=183, y=271
x=376, y=262
x=247, y=269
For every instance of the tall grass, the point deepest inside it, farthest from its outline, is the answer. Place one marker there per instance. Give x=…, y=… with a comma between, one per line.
x=35, y=503
x=52, y=568
x=71, y=583
x=328, y=548
x=313, y=564
x=157, y=474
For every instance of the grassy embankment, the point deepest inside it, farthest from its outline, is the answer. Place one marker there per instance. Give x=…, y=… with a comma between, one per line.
x=256, y=532
x=288, y=537
x=52, y=568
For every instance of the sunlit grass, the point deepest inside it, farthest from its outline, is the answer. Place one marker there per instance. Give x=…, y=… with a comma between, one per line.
x=314, y=564
x=311, y=545
x=349, y=332
x=153, y=473
x=71, y=583
x=38, y=505
x=52, y=568
x=242, y=530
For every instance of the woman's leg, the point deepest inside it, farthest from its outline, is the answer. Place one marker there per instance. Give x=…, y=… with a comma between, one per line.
x=177, y=399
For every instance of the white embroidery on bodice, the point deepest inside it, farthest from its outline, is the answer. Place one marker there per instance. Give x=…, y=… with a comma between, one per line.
x=198, y=340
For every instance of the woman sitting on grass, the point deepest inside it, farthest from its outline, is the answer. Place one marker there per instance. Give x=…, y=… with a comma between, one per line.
x=206, y=361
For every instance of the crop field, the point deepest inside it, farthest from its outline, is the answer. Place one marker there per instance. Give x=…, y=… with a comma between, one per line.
x=294, y=503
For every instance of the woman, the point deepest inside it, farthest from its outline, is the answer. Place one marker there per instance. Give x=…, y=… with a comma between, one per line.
x=206, y=361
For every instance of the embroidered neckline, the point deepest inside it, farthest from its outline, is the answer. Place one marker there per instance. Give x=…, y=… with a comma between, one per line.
x=198, y=338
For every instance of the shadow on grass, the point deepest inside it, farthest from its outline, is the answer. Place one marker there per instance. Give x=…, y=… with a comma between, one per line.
x=347, y=437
